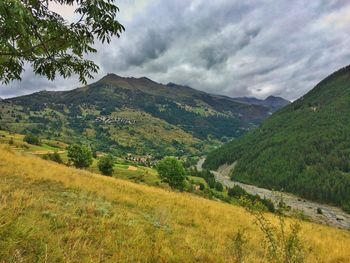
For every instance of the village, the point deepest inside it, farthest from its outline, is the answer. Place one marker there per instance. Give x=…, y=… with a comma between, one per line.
x=117, y=120
x=147, y=160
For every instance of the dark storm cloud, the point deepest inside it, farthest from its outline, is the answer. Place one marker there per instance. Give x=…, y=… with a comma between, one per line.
x=230, y=47
x=218, y=52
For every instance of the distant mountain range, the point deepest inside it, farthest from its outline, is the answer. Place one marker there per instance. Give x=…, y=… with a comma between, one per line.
x=271, y=102
x=133, y=115
x=304, y=148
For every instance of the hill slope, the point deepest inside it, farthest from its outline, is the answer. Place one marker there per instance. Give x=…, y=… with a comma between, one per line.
x=52, y=213
x=131, y=115
x=303, y=149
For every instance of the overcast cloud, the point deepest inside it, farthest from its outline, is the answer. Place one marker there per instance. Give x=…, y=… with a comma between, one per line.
x=231, y=47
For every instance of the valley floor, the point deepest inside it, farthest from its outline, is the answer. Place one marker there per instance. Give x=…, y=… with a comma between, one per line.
x=52, y=213
x=331, y=215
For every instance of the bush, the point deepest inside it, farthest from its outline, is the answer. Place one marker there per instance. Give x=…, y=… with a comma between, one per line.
x=282, y=243
x=346, y=207
x=219, y=187
x=268, y=204
x=172, y=171
x=239, y=246
x=206, y=174
x=236, y=191
x=80, y=155
x=31, y=139
x=106, y=164
x=55, y=157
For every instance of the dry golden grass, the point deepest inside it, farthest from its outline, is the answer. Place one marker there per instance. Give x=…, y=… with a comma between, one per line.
x=52, y=213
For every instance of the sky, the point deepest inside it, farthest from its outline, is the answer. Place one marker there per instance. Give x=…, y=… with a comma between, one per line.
x=231, y=47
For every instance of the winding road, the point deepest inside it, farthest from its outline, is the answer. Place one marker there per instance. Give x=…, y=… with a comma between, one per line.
x=331, y=215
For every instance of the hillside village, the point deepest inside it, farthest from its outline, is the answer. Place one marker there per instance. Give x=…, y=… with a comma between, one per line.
x=117, y=120
x=147, y=159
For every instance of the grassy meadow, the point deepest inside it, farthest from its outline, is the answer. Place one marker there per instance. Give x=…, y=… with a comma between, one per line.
x=52, y=213
x=46, y=146
x=122, y=169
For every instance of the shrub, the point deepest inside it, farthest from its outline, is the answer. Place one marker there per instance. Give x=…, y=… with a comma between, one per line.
x=106, y=164
x=239, y=246
x=268, y=204
x=282, y=245
x=80, y=155
x=31, y=139
x=236, y=191
x=265, y=204
x=55, y=157
x=219, y=187
x=346, y=207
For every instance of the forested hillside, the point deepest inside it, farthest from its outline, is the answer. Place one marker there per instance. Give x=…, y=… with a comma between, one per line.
x=134, y=115
x=303, y=149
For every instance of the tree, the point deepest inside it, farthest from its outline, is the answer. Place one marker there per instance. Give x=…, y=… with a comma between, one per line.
x=31, y=139
x=31, y=32
x=105, y=165
x=172, y=171
x=80, y=155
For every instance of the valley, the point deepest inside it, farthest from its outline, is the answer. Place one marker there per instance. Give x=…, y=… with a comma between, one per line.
x=174, y=131
x=302, y=149
x=139, y=135
x=317, y=212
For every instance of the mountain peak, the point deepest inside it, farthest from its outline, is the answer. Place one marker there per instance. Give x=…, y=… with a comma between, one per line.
x=112, y=76
x=174, y=85
x=275, y=98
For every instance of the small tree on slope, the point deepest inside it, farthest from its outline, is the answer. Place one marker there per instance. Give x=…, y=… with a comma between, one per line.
x=80, y=155
x=105, y=165
x=172, y=171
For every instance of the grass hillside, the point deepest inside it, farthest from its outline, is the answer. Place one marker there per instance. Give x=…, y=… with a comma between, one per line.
x=46, y=146
x=303, y=149
x=124, y=169
x=132, y=115
x=52, y=213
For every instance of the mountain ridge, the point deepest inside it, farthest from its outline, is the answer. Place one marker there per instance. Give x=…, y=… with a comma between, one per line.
x=274, y=103
x=170, y=119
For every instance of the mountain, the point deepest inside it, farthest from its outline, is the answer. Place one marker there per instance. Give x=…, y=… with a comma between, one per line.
x=134, y=115
x=271, y=102
x=53, y=213
x=303, y=148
